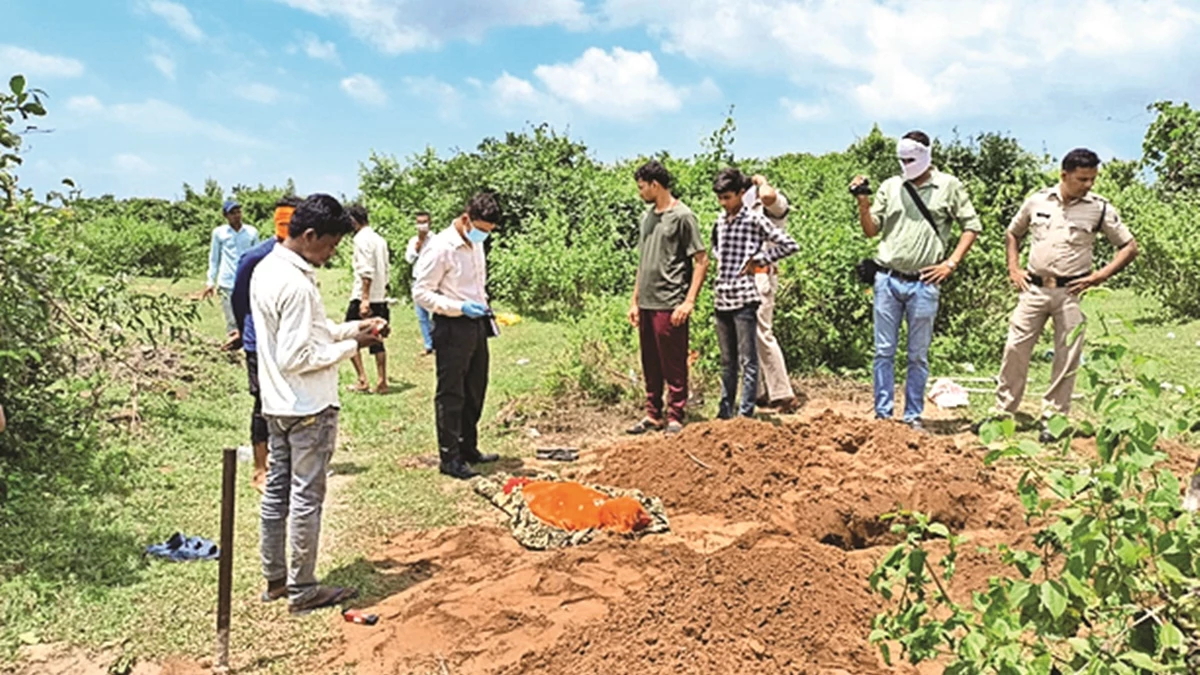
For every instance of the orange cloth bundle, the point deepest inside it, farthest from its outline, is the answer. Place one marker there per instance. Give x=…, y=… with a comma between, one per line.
x=571, y=506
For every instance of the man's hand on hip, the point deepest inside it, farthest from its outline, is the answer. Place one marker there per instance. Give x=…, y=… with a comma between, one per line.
x=682, y=313
x=1020, y=279
x=1078, y=286
x=936, y=274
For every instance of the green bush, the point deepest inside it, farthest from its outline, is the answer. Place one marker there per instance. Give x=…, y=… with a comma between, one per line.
x=124, y=244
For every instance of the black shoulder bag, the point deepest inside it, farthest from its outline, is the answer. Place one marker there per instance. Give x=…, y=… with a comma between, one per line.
x=867, y=268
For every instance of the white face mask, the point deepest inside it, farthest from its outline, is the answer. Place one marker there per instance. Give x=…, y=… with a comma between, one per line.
x=919, y=154
x=422, y=227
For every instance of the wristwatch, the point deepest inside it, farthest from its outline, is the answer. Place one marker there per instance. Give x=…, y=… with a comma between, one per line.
x=950, y=264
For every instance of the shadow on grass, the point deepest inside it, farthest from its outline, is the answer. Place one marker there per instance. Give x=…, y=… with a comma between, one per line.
x=347, y=469
x=71, y=544
x=380, y=579
x=395, y=388
x=509, y=465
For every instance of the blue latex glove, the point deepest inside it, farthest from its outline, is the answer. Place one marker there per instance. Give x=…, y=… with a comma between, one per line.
x=474, y=310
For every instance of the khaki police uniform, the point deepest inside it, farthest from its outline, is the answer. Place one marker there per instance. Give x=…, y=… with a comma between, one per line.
x=1062, y=238
x=774, y=383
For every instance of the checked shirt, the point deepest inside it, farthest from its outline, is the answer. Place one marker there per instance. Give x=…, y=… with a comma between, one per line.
x=737, y=241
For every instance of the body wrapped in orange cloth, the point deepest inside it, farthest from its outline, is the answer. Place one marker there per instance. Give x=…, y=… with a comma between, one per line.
x=571, y=506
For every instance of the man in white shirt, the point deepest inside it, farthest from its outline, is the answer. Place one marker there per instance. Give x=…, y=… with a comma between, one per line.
x=415, y=245
x=299, y=350
x=450, y=281
x=228, y=243
x=372, y=267
x=774, y=383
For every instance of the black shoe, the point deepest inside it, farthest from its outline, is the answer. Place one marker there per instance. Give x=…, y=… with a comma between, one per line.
x=476, y=457
x=916, y=425
x=456, y=468
x=1045, y=437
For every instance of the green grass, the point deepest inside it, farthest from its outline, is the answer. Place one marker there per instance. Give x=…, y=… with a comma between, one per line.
x=174, y=483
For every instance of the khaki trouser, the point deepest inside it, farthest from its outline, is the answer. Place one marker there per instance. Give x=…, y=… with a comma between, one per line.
x=1033, y=309
x=773, y=381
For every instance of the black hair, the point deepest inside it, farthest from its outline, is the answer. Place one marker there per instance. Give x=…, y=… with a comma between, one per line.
x=918, y=136
x=1080, y=158
x=483, y=206
x=288, y=200
x=654, y=172
x=358, y=213
x=730, y=180
x=322, y=214
x=423, y=213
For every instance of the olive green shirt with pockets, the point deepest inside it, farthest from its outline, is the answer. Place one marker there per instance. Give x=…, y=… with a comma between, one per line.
x=907, y=242
x=669, y=240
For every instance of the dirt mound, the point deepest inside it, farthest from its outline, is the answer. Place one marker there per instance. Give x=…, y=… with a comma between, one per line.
x=829, y=478
x=775, y=528
x=766, y=604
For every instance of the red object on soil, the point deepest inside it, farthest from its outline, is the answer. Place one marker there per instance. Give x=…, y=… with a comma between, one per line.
x=514, y=482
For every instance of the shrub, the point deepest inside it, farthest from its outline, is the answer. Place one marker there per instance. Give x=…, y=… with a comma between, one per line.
x=124, y=244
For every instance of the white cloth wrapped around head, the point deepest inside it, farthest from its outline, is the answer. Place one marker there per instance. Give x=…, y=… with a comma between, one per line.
x=908, y=149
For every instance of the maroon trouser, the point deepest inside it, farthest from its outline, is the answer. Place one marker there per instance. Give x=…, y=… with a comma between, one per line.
x=664, y=360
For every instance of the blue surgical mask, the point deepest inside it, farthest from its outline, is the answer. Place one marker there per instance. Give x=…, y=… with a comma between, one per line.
x=476, y=235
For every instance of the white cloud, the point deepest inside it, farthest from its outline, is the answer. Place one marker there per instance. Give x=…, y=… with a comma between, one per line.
x=177, y=17
x=804, y=111
x=364, y=89
x=315, y=48
x=157, y=117
x=85, y=105
x=165, y=65
x=930, y=58
x=32, y=64
x=131, y=164
x=258, y=92
x=510, y=90
x=622, y=84
x=399, y=26
x=445, y=96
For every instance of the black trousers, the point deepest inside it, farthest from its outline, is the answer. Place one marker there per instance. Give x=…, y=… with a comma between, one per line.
x=461, y=350
x=258, y=424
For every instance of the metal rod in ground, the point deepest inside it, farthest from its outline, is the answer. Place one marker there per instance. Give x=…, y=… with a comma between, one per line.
x=225, y=569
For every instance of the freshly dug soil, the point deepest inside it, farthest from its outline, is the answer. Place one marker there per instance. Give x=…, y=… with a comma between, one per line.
x=775, y=527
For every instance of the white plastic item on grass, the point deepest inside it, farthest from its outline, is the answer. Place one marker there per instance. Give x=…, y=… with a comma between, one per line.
x=946, y=393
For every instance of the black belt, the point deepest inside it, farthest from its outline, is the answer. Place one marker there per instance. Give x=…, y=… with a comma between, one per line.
x=1053, y=282
x=906, y=276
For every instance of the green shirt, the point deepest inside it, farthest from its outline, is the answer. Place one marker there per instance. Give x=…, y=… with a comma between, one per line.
x=668, y=243
x=907, y=242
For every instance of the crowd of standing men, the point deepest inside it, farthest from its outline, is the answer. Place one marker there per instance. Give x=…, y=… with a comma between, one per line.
x=274, y=310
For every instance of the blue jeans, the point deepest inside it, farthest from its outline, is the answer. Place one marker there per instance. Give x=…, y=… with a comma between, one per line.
x=915, y=302
x=426, y=327
x=737, y=336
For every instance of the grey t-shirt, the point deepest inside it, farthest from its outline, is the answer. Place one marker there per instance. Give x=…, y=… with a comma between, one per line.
x=668, y=243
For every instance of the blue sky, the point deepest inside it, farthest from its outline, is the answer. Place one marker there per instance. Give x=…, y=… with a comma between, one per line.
x=148, y=94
